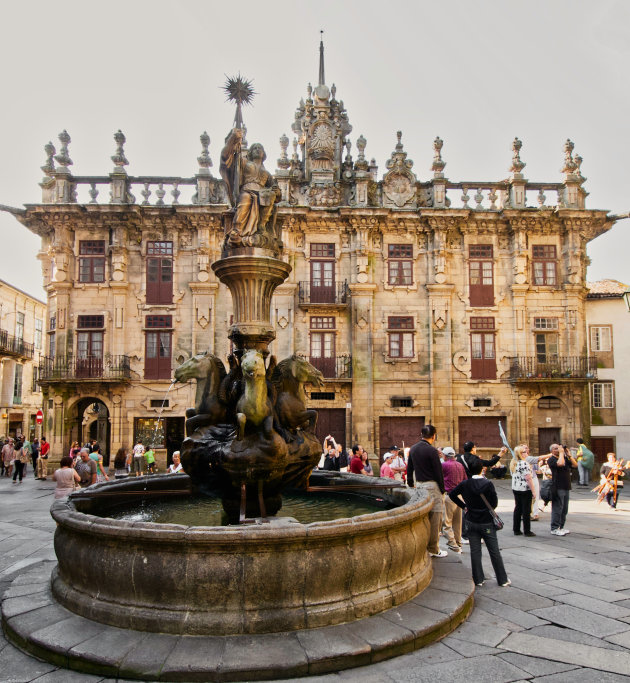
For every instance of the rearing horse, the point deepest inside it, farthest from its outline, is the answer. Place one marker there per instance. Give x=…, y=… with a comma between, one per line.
x=289, y=378
x=254, y=405
x=208, y=410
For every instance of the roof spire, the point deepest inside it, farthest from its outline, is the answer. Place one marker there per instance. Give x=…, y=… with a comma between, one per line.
x=322, y=80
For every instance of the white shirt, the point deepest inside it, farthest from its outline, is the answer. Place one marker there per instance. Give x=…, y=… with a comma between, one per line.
x=138, y=450
x=173, y=470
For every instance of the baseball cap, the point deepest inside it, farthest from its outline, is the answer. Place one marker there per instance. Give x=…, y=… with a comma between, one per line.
x=449, y=451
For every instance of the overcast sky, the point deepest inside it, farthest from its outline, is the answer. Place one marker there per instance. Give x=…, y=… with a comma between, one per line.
x=476, y=74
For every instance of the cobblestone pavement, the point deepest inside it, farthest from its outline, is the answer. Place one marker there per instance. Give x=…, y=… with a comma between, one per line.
x=566, y=616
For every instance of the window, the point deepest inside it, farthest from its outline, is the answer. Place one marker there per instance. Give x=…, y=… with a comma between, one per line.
x=544, y=264
x=19, y=326
x=480, y=269
x=549, y=403
x=545, y=323
x=159, y=403
x=322, y=395
x=150, y=430
x=482, y=402
x=322, y=273
x=159, y=273
x=158, y=337
x=37, y=338
x=90, y=345
x=401, y=402
x=400, y=336
x=52, y=344
x=546, y=347
x=92, y=261
x=400, y=264
x=603, y=395
x=601, y=338
x=35, y=388
x=483, y=364
x=322, y=353
x=17, y=385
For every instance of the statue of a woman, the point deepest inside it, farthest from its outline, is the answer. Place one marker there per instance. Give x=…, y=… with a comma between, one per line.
x=251, y=187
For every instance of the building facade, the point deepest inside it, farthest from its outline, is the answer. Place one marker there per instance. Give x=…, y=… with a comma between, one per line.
x=21, y=344
x=608, y=326
x=420, y=299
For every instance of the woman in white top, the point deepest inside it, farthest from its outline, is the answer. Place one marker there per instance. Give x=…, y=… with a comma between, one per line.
x=522, y=488
x=535, y=462
x=67, y=478
x=176, y=466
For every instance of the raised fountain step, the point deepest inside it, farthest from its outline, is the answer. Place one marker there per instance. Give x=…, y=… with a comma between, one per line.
x=37, y=624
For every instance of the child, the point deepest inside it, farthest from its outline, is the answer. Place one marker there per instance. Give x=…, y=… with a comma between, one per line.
x=149, y=456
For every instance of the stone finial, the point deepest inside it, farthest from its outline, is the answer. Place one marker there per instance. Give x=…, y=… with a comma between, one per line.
x=283, y=161
x=63, y=158
x=361, y=164
x=373, y=169
x=309, y=91
x=399, y=146
x=49, y=165
x=204, y=159
x=119, y=158
x=517, y=165
x=348, y=148
x=569, y=164
x=438, y=163
x=333, y=92
x=577, y=159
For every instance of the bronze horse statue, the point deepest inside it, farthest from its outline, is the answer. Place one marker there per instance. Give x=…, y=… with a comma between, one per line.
x=288, y=378
x=209, y=372
x=254, y=405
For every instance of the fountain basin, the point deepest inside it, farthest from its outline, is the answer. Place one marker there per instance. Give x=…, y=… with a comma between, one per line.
x=265, y=578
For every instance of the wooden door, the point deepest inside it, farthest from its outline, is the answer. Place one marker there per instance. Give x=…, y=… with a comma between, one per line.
x=600, y=445
x=89, y=354
x=332, y=421
x=483, y=364
x=547, y=436
x=322, y=354
x=483, y=431
x=398, y=431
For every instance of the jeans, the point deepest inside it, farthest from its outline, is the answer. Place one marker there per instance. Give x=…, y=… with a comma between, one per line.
x=559, y=509
x=19, y=470
x=611, y=499
x=584, y=473
x=522, y=509
x=489, y=534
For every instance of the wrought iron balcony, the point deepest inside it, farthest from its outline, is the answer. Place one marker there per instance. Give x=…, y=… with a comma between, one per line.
x=336, y=367
x=530, y=368
x=335, y=295
x=15, y=347
x=90, y=369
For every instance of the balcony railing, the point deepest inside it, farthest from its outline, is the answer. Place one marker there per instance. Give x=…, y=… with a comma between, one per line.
x=556, y=368
x=337, y=367
x=337, y=294
x=13, y=346
x=91, y=368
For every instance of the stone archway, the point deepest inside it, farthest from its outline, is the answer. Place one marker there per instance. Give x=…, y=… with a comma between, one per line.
x=90, y=420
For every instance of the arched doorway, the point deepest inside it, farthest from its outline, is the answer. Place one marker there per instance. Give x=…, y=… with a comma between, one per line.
x=91, y=421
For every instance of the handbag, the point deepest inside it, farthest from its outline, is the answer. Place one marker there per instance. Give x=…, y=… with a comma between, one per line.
x=498, y=522
x=545, y=490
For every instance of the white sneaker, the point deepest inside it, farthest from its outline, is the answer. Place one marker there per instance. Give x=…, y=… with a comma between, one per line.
x=442, y=553
x=557, y=532
x=565, y=531
x=465, y=541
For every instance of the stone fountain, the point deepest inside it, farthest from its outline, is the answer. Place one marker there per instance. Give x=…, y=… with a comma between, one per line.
x=249, y=437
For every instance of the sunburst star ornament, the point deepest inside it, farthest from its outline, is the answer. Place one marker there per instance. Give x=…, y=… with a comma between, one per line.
x=241, y=91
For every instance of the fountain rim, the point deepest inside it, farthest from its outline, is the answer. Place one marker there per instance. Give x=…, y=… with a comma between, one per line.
x=65, y=513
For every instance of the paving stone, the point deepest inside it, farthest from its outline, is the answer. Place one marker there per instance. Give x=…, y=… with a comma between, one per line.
x=580, y=620
x=439, y=600
x=58, y=638
x=106, y=649
x=384, y=637
x=536, y=666
x=67, y=676
x=469, y=649
x=418, y=619
x=583, y=676
x=17, y=667
x=584, y=588
x=485, y=668
x=500, y=609
x=480, y=616
x=622, y=639
x=149, y=656
x=14, y=606
x=517, y=598
x=189, y=659
x=24, y=624
x=614, y=610
x=333, y=649
x=570, y=653
x=571, y=636
x=523, y=582
x=480, y=634
x=18, y=591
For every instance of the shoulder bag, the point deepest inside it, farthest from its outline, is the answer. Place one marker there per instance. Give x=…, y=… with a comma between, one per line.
x=498, y=522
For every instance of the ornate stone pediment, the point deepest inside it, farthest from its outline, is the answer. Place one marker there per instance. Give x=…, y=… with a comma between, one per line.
x=399, y=183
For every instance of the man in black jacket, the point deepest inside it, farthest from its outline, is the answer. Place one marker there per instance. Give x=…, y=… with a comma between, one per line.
x=470, y=457
x=425, y=467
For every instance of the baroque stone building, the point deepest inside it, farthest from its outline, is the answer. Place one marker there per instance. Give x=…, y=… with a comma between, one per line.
x=421, y=299
x=21, y=343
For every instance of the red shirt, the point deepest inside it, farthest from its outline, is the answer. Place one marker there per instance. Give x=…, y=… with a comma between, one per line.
x=356, y=465
x=45, y=447
x=454, y=473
